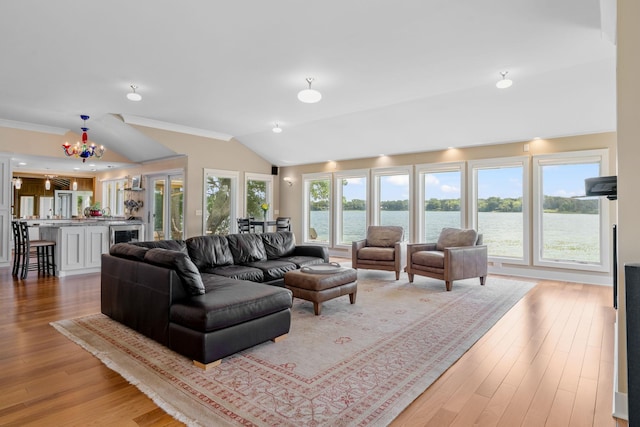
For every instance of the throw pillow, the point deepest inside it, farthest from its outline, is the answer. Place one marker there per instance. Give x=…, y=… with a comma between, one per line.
x=455, y=237
x=182, y=264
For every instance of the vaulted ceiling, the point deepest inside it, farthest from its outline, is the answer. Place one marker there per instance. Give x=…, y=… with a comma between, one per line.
x=396, y=77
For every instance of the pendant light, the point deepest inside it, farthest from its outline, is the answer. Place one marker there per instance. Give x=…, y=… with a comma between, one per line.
x=47, y=184
x=277, y=128
x=309, y=96
x=133, y=95
x=505, y=82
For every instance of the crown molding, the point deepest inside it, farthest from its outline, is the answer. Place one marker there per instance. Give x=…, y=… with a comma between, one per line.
x=32, y=127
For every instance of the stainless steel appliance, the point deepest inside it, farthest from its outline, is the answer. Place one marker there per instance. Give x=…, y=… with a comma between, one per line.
x=124, y=233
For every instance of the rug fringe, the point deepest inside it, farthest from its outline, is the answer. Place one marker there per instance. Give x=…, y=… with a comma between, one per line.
x=168, y=408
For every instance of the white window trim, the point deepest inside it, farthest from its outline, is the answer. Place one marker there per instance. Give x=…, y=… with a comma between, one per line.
x=251, y=176
x=427, y=168
x=376, y=174
x=235, y=200
x=573, y=157
x=503, y=162
x=337, y=224
x=305, y=206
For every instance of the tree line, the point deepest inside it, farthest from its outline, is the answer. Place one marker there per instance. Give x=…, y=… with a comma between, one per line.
x=492, y=204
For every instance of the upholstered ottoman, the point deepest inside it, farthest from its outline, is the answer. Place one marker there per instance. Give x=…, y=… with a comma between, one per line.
x=322, y=282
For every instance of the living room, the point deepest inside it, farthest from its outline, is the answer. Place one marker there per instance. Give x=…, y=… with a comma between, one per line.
x=193, y=153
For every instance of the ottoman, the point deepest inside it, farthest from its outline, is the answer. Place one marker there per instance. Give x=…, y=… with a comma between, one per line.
x=322, y=282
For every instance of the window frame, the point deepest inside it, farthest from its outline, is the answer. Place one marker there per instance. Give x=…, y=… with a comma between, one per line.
x=565, y=158
x=472, y=185
x=234, y=205
x=427, y=168
x=376, y=174
x=338, y=226
x=306, y=179
x=252, y=176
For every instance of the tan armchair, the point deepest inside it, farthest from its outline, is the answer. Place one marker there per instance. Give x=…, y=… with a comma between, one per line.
x=383, y=249
x=458, y=254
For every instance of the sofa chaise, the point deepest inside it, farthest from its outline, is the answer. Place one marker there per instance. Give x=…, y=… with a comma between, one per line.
x=206, y=297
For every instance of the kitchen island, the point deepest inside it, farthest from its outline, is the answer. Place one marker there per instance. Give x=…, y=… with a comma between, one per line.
x=80, y=243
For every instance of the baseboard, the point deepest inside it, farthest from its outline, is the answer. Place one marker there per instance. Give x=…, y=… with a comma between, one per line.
x=620, y=401
x=564, y=276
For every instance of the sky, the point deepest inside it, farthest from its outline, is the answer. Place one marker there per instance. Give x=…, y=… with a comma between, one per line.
x=566, y=180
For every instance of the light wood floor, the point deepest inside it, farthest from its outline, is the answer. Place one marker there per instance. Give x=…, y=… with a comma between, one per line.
x=549, y=361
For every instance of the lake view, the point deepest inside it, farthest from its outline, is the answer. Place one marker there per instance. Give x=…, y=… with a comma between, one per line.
x=567, y=236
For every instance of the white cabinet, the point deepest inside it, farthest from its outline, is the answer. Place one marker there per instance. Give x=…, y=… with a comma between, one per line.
x=5, y=210
x=96, y=244
x=79, y=248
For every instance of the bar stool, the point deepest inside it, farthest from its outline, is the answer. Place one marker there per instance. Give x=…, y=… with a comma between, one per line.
x=43, y=254
x=17, y=248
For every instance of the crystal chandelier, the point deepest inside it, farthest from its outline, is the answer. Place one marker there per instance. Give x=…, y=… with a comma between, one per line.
x=83, y=149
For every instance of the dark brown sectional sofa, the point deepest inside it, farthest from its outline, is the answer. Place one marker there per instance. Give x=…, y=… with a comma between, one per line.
x=207, y=297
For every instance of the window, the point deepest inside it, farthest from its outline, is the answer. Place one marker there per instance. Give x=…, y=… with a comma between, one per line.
x=258, y=191
x=220, y=201
x=166, y=204
x=570, y=231
x=392, y=198
x=113, y=196
x=317, y=208
x=440, y=198
x=499, y=207
x=351, y=206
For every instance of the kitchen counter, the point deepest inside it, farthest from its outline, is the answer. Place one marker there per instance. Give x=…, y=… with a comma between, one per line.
x=79, y=243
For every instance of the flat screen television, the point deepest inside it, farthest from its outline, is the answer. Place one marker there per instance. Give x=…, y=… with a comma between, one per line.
x=602, y=186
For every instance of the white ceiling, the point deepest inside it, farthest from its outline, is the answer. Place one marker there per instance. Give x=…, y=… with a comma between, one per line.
x=396, y=77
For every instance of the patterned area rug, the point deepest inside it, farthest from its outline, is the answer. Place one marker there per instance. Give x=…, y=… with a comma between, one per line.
x=354, y=365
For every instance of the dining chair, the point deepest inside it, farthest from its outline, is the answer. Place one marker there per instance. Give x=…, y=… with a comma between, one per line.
x=283, y=223
x=244, y=225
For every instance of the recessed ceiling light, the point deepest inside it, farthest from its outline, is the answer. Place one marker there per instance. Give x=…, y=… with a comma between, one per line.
x=22, y=164
x=277, y=128
x=76, y=169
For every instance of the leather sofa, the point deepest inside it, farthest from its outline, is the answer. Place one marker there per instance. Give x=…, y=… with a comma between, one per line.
x=206, y=297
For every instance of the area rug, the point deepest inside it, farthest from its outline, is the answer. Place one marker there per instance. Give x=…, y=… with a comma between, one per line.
x=354, y=365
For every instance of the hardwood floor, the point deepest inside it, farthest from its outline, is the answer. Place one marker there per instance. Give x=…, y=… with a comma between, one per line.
x=549, y=361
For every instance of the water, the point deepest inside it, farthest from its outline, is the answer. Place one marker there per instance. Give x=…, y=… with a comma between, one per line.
x=573, y=237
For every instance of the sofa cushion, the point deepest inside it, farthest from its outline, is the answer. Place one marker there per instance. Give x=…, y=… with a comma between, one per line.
x=433, y=259
x=247, y=247
x=209, y=251
x=279, y=244
x=228, y=304
x=182, y=264
x=384, y=236
x=273, y=269
x=377, y=254
x=302, y=261
x=173, y=245
x=455, y=237
x=241, y=272
x=129, y=251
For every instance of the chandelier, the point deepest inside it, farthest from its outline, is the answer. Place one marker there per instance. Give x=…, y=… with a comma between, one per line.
x=83, y=149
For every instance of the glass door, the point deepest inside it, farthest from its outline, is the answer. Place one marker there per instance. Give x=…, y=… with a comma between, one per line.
x=166, y=207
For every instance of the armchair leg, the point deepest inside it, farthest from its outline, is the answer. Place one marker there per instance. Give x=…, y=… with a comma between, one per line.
x=482, y=280
x=448, y=284
x=397, y=275
x=410, y=277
